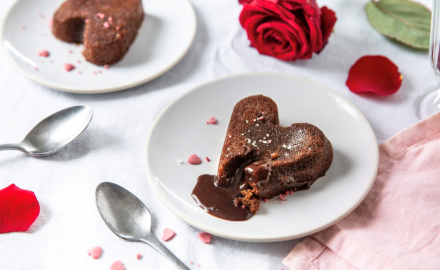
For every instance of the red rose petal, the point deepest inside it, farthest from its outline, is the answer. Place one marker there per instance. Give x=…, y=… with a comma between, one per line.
x=328, y=20
x=168, y=234
x=375, y=74
x=95, y=252
x=19, y=208
x=117, y=266
x=194, y=159
x=205, y=237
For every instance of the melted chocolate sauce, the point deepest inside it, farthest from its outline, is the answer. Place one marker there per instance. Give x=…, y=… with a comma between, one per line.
x=219, y=200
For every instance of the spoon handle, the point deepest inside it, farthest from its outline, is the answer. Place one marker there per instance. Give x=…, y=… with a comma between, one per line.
x=152, y=241
x=11, y=146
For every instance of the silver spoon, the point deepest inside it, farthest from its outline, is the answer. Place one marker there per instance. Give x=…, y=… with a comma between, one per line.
x=129, y=218
x=54, y=132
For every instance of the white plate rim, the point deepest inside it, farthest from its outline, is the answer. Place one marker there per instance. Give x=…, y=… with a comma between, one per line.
x=216, y=232
x=59, y=87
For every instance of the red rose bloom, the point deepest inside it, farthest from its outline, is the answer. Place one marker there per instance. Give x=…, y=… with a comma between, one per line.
x=287, y=29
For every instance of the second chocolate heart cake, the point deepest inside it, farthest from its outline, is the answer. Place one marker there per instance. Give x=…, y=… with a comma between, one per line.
x=106, y=27
x=261, y=160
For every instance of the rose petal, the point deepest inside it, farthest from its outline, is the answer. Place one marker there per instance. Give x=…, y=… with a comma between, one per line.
x=194, y=159
x=95, y=252
x=205, y=237
x=117, y=266
x=168, y=234
x=375, y=74
x=19, y=208
x=328, y=20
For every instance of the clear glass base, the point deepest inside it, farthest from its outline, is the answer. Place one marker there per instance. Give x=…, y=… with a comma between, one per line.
x=427, y=103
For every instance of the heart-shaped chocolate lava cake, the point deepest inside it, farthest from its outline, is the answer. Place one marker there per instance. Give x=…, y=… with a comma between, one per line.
x=261, y=160
x=106, y=27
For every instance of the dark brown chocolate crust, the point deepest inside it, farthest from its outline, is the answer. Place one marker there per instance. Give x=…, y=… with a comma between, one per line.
x=106, y=27
x=280, y=158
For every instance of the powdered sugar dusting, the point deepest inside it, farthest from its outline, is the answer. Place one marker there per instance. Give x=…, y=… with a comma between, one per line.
x=299, y=136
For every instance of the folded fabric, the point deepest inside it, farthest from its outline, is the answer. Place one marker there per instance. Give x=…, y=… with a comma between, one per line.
x=397, y=226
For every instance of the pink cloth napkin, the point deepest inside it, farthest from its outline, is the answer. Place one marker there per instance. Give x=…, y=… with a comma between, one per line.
x=397, y=226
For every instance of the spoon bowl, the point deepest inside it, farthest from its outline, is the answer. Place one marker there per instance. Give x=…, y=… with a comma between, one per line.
x=54, y=133
x=112, y=202
x=129, y=218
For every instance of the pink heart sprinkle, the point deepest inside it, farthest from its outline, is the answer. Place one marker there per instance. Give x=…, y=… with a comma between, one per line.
x=117, y=266
x=100, y=15
x=194, y=159
x=106, y=66
x=138, y=256
x=95, y=252
x=68, y=67
x=205, y=237
x=167, y=234
x=212, y=120
x=43, y=53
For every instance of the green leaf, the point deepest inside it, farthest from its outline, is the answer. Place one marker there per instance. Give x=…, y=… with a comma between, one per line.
x=403, y=20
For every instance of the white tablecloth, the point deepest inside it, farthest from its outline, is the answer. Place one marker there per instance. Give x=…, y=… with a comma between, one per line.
x=112, y=148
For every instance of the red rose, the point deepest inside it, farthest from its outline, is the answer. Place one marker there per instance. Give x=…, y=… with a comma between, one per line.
x=287, y=29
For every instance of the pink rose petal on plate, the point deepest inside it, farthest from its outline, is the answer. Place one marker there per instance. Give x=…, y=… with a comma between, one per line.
x=168, y=234
x=43, y=53
x=95, y=252
x=205, y=237
x=117, y=266
x=194, y=159
x=68, y=67
x=138, y=256
x=212, y=120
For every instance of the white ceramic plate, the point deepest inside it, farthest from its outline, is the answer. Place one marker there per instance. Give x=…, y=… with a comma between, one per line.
x=165, y=36
x=181, y=130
